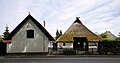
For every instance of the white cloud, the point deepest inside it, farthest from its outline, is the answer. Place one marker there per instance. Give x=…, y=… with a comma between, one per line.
x=98, y=15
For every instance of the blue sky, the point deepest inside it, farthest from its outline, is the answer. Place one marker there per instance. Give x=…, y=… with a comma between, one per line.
x=97, y=15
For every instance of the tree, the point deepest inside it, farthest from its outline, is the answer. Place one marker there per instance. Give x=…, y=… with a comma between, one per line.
x=57, y=34
x=1, y=39
x=118, y=38
x=119, y=34
x=60, y=32
x=103, y=35
x=6, y=33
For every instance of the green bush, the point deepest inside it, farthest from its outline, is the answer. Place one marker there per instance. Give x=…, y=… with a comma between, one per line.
x=1, y=40
x=109, y=46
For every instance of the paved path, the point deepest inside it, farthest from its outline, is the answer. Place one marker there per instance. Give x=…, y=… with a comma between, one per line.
x=61, y=59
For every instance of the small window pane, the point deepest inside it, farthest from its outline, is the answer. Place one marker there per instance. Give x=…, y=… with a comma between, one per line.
x=30, y=33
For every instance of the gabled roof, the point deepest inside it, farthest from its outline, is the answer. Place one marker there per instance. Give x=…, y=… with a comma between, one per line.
x=77, y=29
x=110, y=35
x=34, y=21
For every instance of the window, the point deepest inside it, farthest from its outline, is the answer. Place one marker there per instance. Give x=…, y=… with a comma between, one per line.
x=30, y=33
x=64, y=44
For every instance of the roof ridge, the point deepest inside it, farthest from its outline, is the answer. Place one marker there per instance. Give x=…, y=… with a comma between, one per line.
x=77, y=20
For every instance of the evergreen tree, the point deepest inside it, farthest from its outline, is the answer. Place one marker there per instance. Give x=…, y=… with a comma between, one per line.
x=118, y=38
x=57, y=34
x=119, y=34
x=60, y=32
x=6, y=33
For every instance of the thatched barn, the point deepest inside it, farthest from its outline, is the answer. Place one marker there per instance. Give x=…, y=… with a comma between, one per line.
x=110, y=35
x=79, y=33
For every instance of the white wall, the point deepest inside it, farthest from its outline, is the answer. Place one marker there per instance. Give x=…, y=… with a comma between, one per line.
x=68, y=45
x=22, y=44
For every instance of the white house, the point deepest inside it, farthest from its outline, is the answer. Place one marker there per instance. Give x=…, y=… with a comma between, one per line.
x=28, y=37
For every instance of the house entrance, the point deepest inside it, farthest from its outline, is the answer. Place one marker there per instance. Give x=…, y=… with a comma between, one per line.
x=80, y=43
x=54, y=46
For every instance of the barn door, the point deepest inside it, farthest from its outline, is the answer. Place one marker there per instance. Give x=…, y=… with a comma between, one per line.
x=80, y=43
x=54, y=46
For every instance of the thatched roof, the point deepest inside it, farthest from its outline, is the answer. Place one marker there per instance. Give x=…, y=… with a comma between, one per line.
x=110, y=35
x=77, y=29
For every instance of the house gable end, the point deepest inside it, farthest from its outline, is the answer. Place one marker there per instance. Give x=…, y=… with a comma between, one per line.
x=23, y=22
